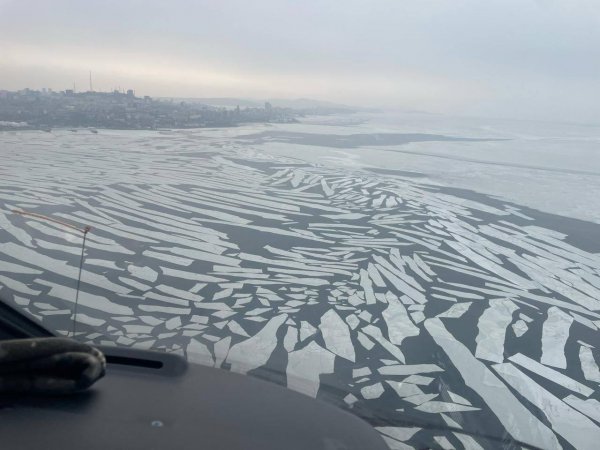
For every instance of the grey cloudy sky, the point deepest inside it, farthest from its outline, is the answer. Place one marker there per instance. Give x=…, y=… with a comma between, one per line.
x=509, y=58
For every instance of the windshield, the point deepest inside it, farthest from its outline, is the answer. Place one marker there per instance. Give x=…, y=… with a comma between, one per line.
x=414, y=258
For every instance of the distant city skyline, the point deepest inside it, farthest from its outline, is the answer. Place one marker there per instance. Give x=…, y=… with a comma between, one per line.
x=48, y=109
x=532, y=59
x=298, y=103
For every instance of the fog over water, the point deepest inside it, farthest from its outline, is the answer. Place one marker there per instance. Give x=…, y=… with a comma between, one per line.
x=547, y=166
x=536, y=59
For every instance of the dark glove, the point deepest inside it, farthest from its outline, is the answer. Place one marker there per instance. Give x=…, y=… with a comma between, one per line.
x=48, y=366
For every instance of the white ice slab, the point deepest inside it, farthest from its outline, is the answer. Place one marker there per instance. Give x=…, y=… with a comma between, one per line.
x=86, y=299
x=456, y=311
x=336, y=335
x=198, y=353
x=492, y=329
x=399, y=433
x=256, y=350
x=372, y=391
x=513, y=415
x=144, y=272
x=409, y=369
x=404, y=389
x=589, y=407
x=555, y=333
x=520, y=328
x=551, y=374
x=377, y=335
x=437, y=407
x=305, y=367
x=306, y=330
x=588, y=364
x=398, y=323
x=576, y=428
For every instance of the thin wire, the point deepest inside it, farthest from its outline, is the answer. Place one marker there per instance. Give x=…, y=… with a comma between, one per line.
x=85, y=232
x=50, y=219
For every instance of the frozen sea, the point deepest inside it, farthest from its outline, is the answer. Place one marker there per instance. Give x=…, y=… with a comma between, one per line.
x=552, y=167
x=418, y=270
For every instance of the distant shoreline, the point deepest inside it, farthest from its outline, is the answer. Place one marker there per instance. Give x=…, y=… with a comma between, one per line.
x=46, y=110
x=96, y=129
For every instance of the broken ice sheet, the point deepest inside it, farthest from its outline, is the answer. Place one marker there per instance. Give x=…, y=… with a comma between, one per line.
x=255, y=351
x=492, y=329
x=221, y=348
x=398, y=433
x=376, y=334
x=589, y=407
x=467, y=441
x=290, y=339
x=584, y=321
x=440, y=407
x=337, y=335
x=364, y=371
x=367, y=286
x=418, y=379
x=305, y=367
x=417, y=316
x=236, y=328
x=173, y=323
x=372, y=391
x=365, y=341
x=404, y=389
x=551, y=374
x=456, y=311
x=555, y=333
x=398, y=323
x=17, y=286
x=222, y=294
x=408, y=369
x=576, y=428
x=306, y=330
x=350, y=399
x=144, y=273
x=443, y=441
x=519, y=328
x=341, y=246
x=419, y=399
x=515, y=417
x=588, y=364
x=197, y=352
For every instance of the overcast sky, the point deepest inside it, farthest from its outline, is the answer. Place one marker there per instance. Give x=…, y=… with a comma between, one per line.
x=505, y=58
